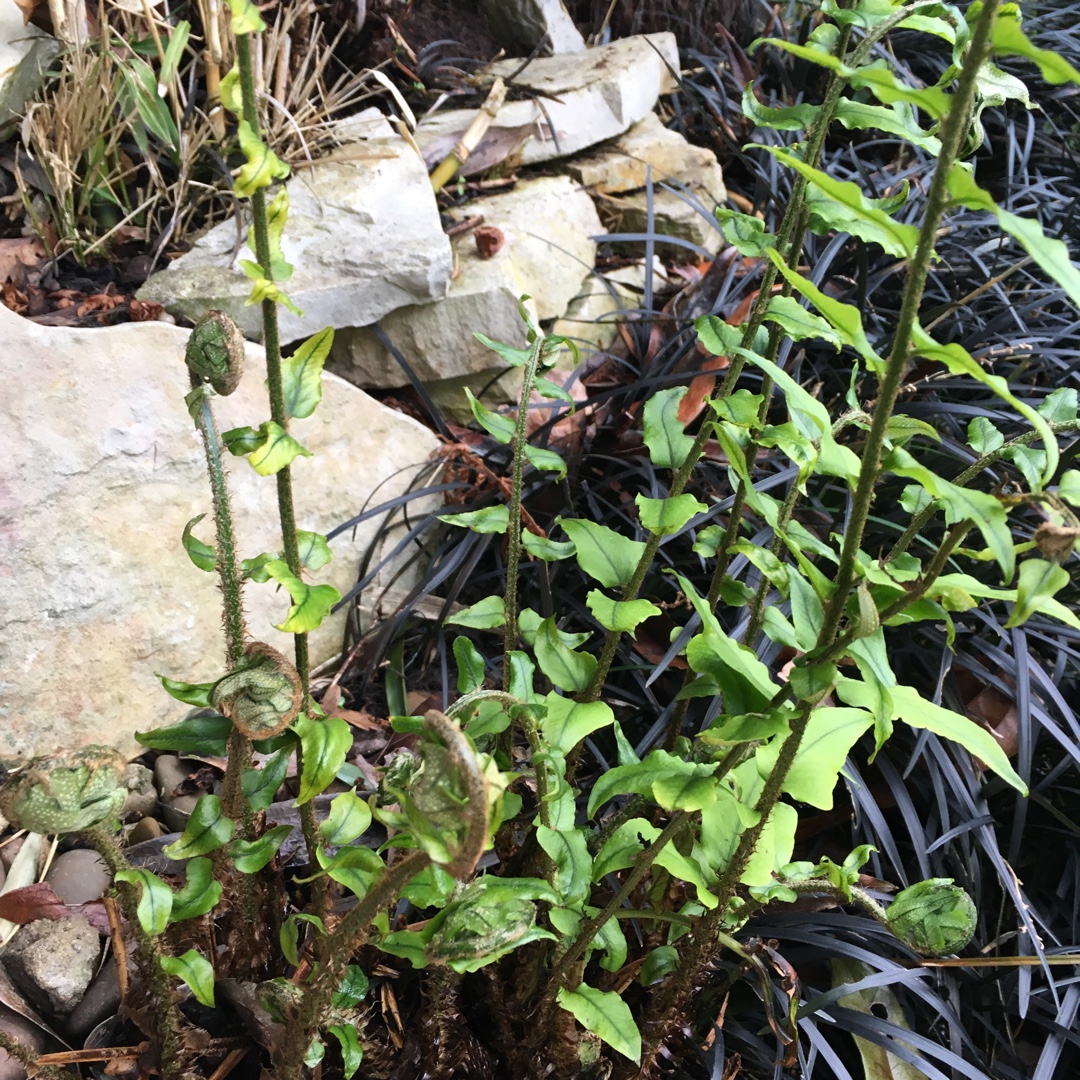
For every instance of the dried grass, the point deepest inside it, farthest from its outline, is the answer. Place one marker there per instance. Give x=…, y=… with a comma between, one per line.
x=80, y=132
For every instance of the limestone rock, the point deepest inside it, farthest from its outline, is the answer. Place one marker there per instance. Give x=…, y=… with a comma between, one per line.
x=592, y=319
x=625, y=163
x=53, y=962
x=548, y=224
x=682, y=207
x=494, y=388
x=581, y=99
x=105, y=469
x=437, y=339
x=363, y=236
x=526, y=23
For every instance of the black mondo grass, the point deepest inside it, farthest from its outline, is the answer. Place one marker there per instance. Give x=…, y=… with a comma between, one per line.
x=728, y=683
x=927, y=811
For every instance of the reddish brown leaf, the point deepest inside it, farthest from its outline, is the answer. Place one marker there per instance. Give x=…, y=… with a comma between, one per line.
x=701, y=386
x=40, y=902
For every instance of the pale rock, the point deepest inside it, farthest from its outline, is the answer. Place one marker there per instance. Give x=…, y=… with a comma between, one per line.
x=25, y=55
x=493, y=389
x=576, y=100
x=53, y=962
x=105, y=469
x=363, y=235
x=625, y=164
x=682, y=208
x=527, y=23
x=550, y=224
x=437, y=339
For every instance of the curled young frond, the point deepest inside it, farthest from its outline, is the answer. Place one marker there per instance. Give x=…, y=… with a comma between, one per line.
x=215, y=352
x=262, y=695
x=66, y=793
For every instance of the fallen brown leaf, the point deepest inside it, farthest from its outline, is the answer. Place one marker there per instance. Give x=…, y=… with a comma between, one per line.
x=362, y=719
x=38, y=901
x=17, y=254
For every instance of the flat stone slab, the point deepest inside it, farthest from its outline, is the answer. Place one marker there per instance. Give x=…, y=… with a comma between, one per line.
x=593, y=317
x=647, y=148
x=105, y=469
x=437, y=339
x=363, y=236
x=682, y=205
x=577, y=100
x=547, y=224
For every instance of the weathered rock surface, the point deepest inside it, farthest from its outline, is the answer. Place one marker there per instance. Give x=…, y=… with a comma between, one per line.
x=682, y=205
x=79, y=876
x=142, y=798
x=684, y=215
x=625, y=163
x=53, y=962
x=548, y=224
x=105, y=469
x=363, y=236
x=583, y=98
x=526, y=23
x=437, y=339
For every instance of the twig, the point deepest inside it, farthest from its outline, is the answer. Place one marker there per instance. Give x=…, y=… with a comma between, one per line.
x=119, y=948
x=472, y=138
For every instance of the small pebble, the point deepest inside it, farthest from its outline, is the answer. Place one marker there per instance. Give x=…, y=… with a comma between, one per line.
x=142, y=795
x=101, y=1000
x=11, y=1023
x=169, y=773
x=147, y=829
x=79, y=876
x=9, y=851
